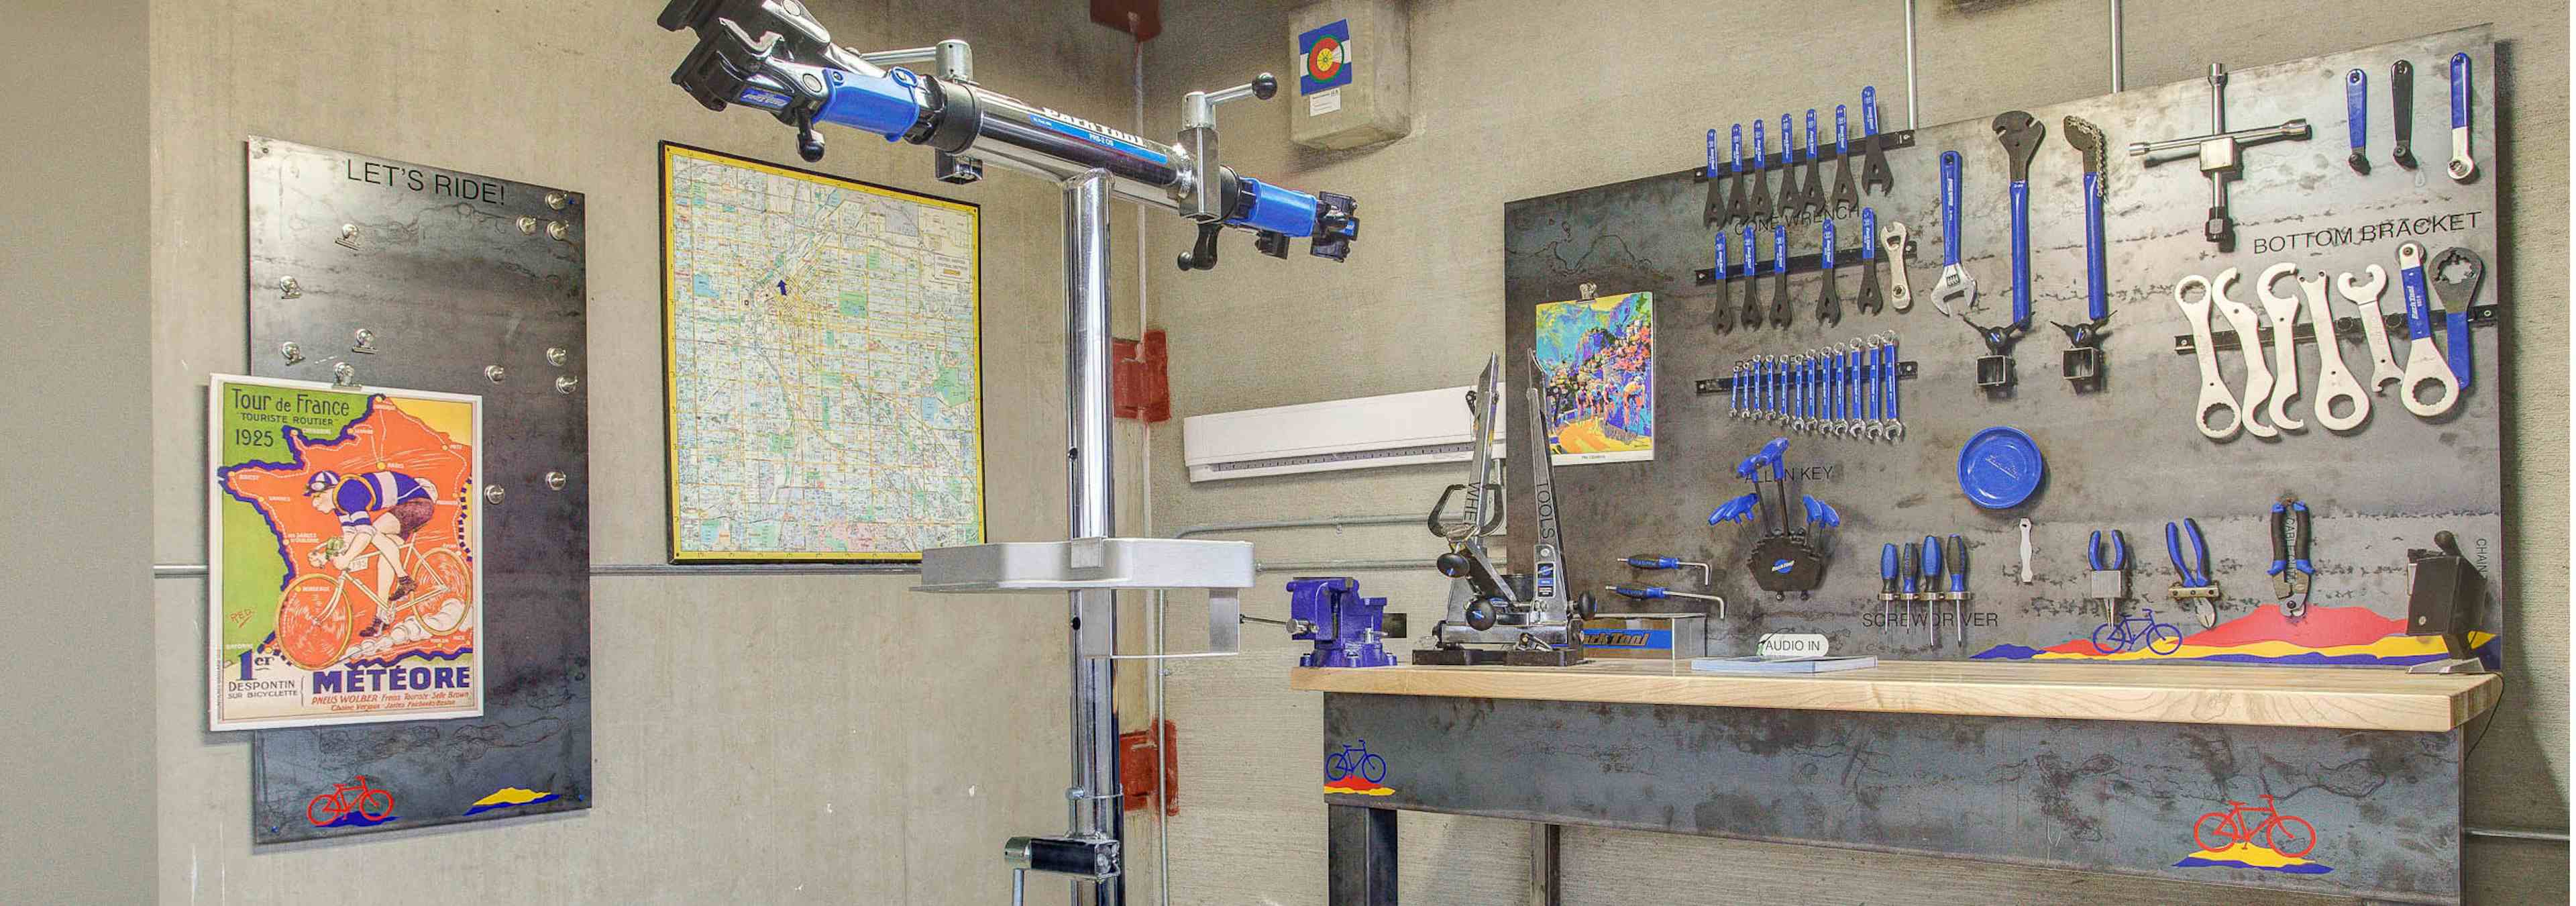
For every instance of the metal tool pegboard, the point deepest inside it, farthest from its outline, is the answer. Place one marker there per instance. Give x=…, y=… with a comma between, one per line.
x=2125, y=457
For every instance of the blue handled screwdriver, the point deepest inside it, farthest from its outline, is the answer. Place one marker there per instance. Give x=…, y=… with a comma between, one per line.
x=1887, y=567
x=1931, y=582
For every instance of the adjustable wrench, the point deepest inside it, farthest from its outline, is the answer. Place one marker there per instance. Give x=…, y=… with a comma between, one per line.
x=1895, y=239
x=2462, y=166
x=1738, y=211
x=1868, y=302
x=2356, y=118
x=2401, y=100
x=2334, y=381
x=2424, y=363
x=2249, y=340
x=1713, y=213
x=1955, y=282
x=2083, y=359
x=1751, y=309
x=2374, y=328
x=1780, y=302
x=2457, y=272
x=1725, y=319
x=1829, y=305
x=1874, y=175
x=2285, y=344
x=1758, y=202
x=1846, y=194
x=1790, y=200
x=1812, y=195
x=2213, y=386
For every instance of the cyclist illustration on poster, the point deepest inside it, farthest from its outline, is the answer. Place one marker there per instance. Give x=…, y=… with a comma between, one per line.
x=344, y=576
x=1597, y=364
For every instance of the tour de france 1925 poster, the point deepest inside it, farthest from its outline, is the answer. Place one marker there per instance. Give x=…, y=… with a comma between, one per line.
x=344, y=533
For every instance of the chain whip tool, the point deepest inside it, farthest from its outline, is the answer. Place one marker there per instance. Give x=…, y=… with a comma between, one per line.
x=2082, y=362
x=2424, y=363
x=2384, y=369
x=2213, y=386
x=2249, y=341
x=2334, y=381
x=2285, y=344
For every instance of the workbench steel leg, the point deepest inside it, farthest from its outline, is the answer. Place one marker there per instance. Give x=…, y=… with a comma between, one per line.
x=1359, y=856
x=1547, y=843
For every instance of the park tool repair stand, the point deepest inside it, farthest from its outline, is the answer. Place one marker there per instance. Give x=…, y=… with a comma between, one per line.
x=1523, y=619
x=771, y=55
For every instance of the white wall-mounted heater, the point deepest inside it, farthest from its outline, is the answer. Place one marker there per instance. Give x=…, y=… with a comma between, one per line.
x=1398, y=429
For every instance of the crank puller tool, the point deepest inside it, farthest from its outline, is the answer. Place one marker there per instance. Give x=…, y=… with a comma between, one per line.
x=1724, y=319
x=1757, y=203
x=2196, y=590
x=1874, y=175
x=2110, y=574
x=1869, y=302
x=1780, y=303
x=1829, y=304
x=1932, y=589
x=1737, y=211
x=2293, y=572
x=1846, y=192
x=2424, y=363
x=1751, y=309
x=1658, y=593
x=1652, y=562
x=2457, y=273
x=2082, y=362
x=2462, y=165
x=1896, y=238
x=2356, y=118
x=1790, y=202
x=2401, y=107
x=2384, y=369
x=1713, y=213
x=2020, y=135
x=1955, y=282
x=1812, y=196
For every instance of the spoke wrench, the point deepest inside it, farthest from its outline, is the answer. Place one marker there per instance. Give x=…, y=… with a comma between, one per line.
x=2384, y=369
x=2293, y=573
x=1725, y=319
x=1829, y=307
x=1846, y=193
x=1780, y=302
x=2424, y=363
x=1811, y=197
x=1955, y=282
x=2463, y=167
x=2082, y=363
x=1874, y=175
x=1869, y=302
x=2356, y=118
x=2457, y=273
x=2401, y=101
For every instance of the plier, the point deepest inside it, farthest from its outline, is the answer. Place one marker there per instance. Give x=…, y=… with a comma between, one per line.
x=2110, y=576
x=2196, y=586
x=2293, y=572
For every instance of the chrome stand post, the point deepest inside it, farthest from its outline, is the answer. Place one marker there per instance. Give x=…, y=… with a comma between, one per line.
x=1091, y=498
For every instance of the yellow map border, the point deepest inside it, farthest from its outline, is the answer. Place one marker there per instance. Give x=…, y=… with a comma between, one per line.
x=671, y=375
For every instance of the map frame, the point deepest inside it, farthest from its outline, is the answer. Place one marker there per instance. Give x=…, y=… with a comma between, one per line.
x=666, y=152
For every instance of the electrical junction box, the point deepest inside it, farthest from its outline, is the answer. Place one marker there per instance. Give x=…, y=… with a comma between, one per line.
x=1352, y=59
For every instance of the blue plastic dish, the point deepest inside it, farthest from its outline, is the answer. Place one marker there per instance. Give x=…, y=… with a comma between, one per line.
x=2001, y=468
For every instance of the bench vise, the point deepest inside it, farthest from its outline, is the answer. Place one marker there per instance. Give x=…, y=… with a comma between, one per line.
x=1348, y=630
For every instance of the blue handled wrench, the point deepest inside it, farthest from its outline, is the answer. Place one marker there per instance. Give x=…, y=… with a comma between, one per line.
x=2462, y=166
x=1955, y=282
x=2356, y=118
x=2020, y=135
x=2082, y=363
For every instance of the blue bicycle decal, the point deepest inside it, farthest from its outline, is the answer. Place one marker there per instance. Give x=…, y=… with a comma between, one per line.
x=2131, y=632
x=1355, y=758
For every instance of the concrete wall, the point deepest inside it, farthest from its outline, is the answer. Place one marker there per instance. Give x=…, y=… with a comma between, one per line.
x=72, y=559
x=1518, y=98
x=775, y=739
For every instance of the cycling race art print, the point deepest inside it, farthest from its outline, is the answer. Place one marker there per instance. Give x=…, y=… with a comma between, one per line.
x=1597, y=375
x=343, y=533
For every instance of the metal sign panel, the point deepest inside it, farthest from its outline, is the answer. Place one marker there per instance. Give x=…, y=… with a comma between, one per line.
x=380, y=272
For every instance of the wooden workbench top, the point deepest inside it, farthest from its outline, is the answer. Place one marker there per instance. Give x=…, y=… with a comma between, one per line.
x=2336, y=698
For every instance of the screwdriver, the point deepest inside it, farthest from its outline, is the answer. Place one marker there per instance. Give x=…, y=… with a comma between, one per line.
x=1958, y=567
x=1657, y=592
x=1906, y=572
x=1643, y=561
x=1932, y=585
x=1886, y=583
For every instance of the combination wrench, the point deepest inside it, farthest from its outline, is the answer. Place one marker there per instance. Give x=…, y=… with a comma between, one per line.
x=2462, y=166
x=2285, y=344
x=2249, y=340
x=1869, y=302
x=1724, y=320
x=2457, y=272
x=2213, y=386
x=1955, y=282
x=1829, y=304
x=1898, y=291
x=2424, y=363
x=2334, y=381
x=1780, y=302
x=2384, y=369
x=1874, y=175
x=1846, y=195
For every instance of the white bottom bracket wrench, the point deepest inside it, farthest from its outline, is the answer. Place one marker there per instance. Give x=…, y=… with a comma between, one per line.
x=2384, y=369
x=2249, y=340
x=2285, y=344
x=2213, y=387
x=2334, y=381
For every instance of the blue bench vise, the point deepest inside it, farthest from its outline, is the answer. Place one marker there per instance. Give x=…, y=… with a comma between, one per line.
x=1348, y=630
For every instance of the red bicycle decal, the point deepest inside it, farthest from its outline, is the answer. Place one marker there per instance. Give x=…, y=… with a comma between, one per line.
x=2285, y=834
x=370, y=802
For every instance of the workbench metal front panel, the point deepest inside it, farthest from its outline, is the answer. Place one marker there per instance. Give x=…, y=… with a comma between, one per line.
x=449, y=281
x=2099, y=796
x=2126, y=457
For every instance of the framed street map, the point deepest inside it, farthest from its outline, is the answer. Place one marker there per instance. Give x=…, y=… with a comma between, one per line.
x=823, y=365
